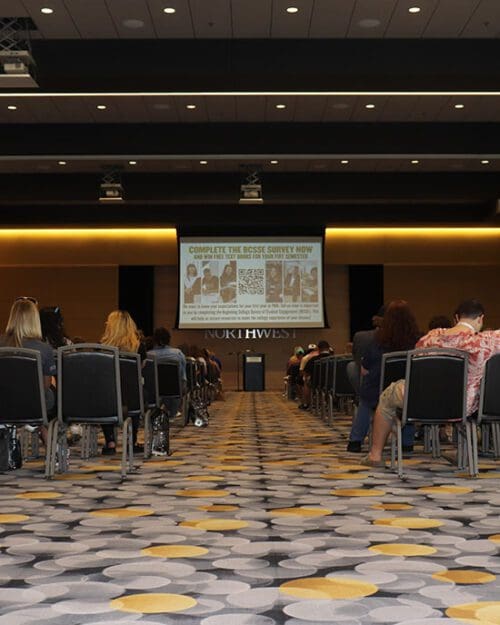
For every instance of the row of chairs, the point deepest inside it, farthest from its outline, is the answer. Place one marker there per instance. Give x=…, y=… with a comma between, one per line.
x=331, y=390
x=96, y=385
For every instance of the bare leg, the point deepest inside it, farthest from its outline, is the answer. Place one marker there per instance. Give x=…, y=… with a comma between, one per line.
x=381, y=430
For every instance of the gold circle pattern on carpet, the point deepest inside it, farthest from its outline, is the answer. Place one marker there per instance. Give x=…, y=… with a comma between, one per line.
x=202, y=493
x=215, y=525
x=13, y=518
x=403, y=549
x=480, y=613
x=357, y=492
x=452, y=490
x=412, y=523
x=40, y=495
x=174, y=551
x=392, y=506
x=153, y=603
x=304, y=512
x=464, y=576
x=328, y=588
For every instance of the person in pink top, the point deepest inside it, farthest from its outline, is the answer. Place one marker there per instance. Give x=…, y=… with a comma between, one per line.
x=465, y=335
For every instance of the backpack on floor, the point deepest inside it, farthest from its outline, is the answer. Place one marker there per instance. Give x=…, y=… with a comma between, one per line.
x=4, y=449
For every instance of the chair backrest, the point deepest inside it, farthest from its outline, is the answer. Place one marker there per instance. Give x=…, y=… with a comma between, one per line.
x=191, y=374
x=21, y=387
x=436, y=386
x=323, y=372
x=150, y=374
x=342, y=384
x=212, y=372
x=393, y=368
x=315, y=372
x=489, y=400
x=131, y=383
x=88, y=384
x=169, y=378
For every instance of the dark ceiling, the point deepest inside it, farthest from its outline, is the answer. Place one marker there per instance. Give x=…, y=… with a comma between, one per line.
x=393, y=123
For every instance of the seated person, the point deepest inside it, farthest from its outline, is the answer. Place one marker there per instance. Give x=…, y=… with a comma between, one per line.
x=465, y=335
x=164, y=352
x=323, y=350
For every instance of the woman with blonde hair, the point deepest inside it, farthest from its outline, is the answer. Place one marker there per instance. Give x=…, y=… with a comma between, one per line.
x=121, y=331
x=24, y=330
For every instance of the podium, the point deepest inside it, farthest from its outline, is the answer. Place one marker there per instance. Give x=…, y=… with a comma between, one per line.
x=254, y=372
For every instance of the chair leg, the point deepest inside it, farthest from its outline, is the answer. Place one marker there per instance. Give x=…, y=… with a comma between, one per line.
x=50, y=452
x=427, y=439
x=400, y=450
x=330, y=408
x=471, y=447
x=495, y=428
x=485, y=437
x=125, y=446
x=147, y=435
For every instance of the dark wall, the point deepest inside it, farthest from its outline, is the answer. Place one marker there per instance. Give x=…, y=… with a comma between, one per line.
x=366, y=295
x=136, y=294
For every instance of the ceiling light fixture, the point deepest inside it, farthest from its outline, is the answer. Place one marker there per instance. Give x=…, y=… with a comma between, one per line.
x=191, y=107
x=47, y=11
x=459, y=106
x=414, y=10
x=345, y=162
x=292, y=10
x=369, y=106
x=132, y=162
x=281, y=106
x=101, y=107
x=169, y=10
x=415, y=162
x=274, y=162
x=203, y=162
x=485, y=162
x=12, y=107
x=61, y=162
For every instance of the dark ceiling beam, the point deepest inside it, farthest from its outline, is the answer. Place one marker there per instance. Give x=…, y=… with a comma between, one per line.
x=249, y=139
x=279, y=64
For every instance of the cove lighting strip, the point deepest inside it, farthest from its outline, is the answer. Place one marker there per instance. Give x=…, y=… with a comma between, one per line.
x=208, y=94
x=88, y=233
x=378, y=232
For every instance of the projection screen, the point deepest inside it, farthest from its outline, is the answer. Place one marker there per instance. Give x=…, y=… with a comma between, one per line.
x=251, y=282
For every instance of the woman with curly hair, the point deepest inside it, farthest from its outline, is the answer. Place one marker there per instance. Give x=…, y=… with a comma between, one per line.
x=399, y=332
x=121, y=331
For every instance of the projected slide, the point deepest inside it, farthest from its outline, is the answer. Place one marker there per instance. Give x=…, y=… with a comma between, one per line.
x=251, y=283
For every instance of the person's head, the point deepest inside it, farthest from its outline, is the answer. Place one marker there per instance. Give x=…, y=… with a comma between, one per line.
x=52, y=323
x=120, y=331
x=323, y=346
x=439, y=321
x=23, y=323
x=314, y=273
x=273, y=271
x=161, y=337
x=295, y=270
x=378, y=317
x=399, y=329
x=191, y=270
x=298, y=351
x=228, y=270
x=471, y=311
x=312, y=347
x=207, y=272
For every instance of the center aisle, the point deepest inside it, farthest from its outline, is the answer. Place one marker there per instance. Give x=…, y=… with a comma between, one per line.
x=259, y=519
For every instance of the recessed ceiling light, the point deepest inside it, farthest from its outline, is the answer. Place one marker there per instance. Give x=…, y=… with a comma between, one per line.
x=203, y=162
x=47, y=11
x=485, y=162
x=169, y=10
x=132, y=162
x=191, y=107
x=133, y=23
x=344, y=162
x=292, y=10
x=414, y=10
x=101, y=107
x=415, y=162
x=274, y=162
x=459, y=106
x=369, y=106
x=12, y=107
x=281, y=106
x=369, y=23
x=61, y=162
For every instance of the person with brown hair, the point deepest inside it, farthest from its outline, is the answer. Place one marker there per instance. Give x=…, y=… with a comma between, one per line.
x=121, y=331
x=399, y=331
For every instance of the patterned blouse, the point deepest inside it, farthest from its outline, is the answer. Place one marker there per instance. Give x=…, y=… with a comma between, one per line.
x=480, y=347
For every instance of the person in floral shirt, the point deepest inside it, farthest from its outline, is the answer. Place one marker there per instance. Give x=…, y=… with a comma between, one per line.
x=465, y=335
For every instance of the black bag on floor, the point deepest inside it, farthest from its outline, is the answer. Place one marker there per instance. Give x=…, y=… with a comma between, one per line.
x=16, y=455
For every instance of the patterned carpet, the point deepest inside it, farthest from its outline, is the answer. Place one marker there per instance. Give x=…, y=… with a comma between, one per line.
x=260, y=519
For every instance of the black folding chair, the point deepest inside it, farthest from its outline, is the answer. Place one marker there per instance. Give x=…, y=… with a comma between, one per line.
x=89, y=393
x=315, y=379
x=133, y=390
x=488, y=417
x=23, y=394
x=339, y=387
x=436, y=394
